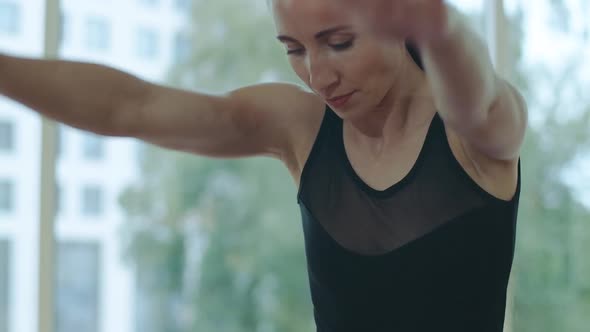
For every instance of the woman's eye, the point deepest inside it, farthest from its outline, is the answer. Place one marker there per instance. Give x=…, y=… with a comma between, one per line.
x=342, y=46
x=295, y=51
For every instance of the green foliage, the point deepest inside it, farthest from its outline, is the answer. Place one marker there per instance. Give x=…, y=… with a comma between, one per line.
x=233, y=44
x=220, y=238
x=254, y=270
x=551, y=273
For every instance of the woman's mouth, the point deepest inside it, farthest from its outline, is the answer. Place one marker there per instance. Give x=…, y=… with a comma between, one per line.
x=340, y=101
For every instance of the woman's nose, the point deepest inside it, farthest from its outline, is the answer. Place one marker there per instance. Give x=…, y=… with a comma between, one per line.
x=322, y=77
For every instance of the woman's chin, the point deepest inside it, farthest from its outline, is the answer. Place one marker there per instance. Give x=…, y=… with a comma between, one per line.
x=350, y=113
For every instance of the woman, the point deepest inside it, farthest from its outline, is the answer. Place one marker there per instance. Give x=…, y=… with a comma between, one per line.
x=408, y=178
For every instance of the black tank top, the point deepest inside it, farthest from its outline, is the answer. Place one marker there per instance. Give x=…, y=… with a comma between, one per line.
x=431, y=253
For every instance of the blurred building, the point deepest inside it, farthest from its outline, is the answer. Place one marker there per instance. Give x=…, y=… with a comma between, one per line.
x=94, y=289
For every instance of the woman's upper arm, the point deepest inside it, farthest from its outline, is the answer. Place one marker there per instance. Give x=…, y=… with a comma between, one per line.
x=255, y=120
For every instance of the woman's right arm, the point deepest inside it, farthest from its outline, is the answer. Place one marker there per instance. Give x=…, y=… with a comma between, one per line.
x=257, y=120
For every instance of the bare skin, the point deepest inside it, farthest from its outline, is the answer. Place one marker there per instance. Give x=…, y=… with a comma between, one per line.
x=386, y=116
x=386, y=119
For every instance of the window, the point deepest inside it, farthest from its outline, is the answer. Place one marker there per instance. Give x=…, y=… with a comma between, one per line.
x=64, y=28
x=6, y=196
x=59, y=145
x=552, y=274
x=92, y=201
x=150, y=3
x=58, y=199
x=147, y=43
x=10, y=16
x=77, y=287
x=4, y=285
x=182, y=47
x=98, y=34
x=183, y=4
x=93, y=147
x=6, y=136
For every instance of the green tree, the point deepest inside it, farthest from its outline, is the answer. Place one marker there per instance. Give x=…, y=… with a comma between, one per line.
x=217, y=244
x=233, y=43
x=550, y=269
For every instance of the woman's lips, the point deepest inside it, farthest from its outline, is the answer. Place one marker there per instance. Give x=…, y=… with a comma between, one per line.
x=341, y=100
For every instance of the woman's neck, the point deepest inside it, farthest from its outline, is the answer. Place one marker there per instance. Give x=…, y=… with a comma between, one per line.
x=407, y=105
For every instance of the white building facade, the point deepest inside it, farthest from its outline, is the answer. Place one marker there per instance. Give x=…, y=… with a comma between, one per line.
x=94, y=288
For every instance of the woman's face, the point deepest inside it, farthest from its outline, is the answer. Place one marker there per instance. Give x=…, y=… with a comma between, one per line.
x=338, y=58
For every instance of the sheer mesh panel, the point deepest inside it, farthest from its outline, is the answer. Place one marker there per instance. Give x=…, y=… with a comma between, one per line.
x=371, y=222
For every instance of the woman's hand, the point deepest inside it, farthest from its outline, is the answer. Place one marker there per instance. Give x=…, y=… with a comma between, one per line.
x=484, y=110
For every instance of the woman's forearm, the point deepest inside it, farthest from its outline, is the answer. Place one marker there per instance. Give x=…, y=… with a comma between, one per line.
x=460, y=73
x=83, y=95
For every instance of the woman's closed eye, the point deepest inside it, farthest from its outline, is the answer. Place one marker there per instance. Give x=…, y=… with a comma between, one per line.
x=294, y=48
x=342, y=46
x=295, y=51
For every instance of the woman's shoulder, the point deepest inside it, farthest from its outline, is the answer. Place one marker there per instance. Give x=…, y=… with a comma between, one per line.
x=302, y=113
x=301, y=106
x=288, y=104
x=296, y=95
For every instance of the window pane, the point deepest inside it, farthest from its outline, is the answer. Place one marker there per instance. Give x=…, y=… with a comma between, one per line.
x=98, y=36
x=147, y=43
x=65, y=28
x=550, y=47
x=6, y=196
x=92, y=201
x=6, y=136
x=150, y=3
x=58, y=199
x=182, y=47
x=93, y=147
x=77, y=287
x=5, y=266
x=59, y=145
x=10, y=17
x=183, y=4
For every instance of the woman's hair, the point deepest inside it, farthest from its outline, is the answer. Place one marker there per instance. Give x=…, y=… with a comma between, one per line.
x=415, y=54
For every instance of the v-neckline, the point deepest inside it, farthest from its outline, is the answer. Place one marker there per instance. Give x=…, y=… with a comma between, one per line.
x=391, y=189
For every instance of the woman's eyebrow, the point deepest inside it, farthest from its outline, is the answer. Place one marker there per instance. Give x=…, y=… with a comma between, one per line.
x=318, y=35
x=327, y=32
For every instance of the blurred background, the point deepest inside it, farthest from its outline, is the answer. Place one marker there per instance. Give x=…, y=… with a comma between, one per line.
x=119, y=236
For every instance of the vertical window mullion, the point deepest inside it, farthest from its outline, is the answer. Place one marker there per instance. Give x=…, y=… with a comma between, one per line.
x=46, y=244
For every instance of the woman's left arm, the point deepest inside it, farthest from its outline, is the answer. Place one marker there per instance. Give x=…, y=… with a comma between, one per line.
x=486, y=111
x=483, y=109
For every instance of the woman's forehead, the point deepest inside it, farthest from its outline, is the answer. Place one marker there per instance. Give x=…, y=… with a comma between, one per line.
x=308, y=15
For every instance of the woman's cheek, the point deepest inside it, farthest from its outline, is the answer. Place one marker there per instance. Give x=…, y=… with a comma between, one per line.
x=299, y=69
